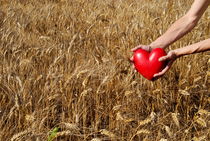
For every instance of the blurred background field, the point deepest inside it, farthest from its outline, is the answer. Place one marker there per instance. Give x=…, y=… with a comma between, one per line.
x=64, y=66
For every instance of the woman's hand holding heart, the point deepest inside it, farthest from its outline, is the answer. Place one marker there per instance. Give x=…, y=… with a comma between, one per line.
x=166, y=59
x=169, y=58
x=144, y=47
x=143, y=58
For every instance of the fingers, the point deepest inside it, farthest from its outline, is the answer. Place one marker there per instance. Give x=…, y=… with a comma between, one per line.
x=170, y=56
x=134, y=49
x=144, y=47
x=164, y=58
x=147, y=48
x=164, y=70
x=134, y=68
x=131, y=59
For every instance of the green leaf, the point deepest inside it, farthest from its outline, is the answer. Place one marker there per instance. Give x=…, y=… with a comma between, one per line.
x=53, y=134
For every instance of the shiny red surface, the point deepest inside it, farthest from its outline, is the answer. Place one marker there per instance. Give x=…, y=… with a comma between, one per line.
x=146, y=63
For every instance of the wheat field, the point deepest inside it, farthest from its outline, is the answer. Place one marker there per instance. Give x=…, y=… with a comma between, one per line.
x=65, y=73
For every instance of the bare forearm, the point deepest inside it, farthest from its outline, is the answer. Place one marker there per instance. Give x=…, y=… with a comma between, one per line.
x=194, y=48
x=175, y=32
x=183, y=25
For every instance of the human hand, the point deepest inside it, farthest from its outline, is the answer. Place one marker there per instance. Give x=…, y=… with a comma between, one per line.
x=169, y=58
x=144, y=47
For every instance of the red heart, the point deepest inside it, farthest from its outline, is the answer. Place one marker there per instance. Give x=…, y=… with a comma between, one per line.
x=146, y=63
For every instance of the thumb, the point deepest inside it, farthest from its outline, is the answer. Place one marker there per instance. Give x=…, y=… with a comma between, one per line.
x=136, y=48
x=147, y=48
x=163, y=58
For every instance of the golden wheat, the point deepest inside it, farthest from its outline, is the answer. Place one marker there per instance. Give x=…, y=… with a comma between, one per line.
x=65, y=64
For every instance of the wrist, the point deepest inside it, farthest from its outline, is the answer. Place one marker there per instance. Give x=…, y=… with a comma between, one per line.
x=154, y=45
x=178, y=53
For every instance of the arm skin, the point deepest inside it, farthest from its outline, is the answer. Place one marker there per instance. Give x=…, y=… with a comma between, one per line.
x=174, y=54
x=182, y=26
x=194, y=48
x=180, y=29
x=177, y=30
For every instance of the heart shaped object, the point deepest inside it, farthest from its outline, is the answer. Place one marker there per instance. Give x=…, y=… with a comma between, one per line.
x=147, y=64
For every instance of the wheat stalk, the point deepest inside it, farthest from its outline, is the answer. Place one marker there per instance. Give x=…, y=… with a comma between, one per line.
x=65, y=64
x=107, y=133
x=175, y=119
x=20, y=134
x=168, y=131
